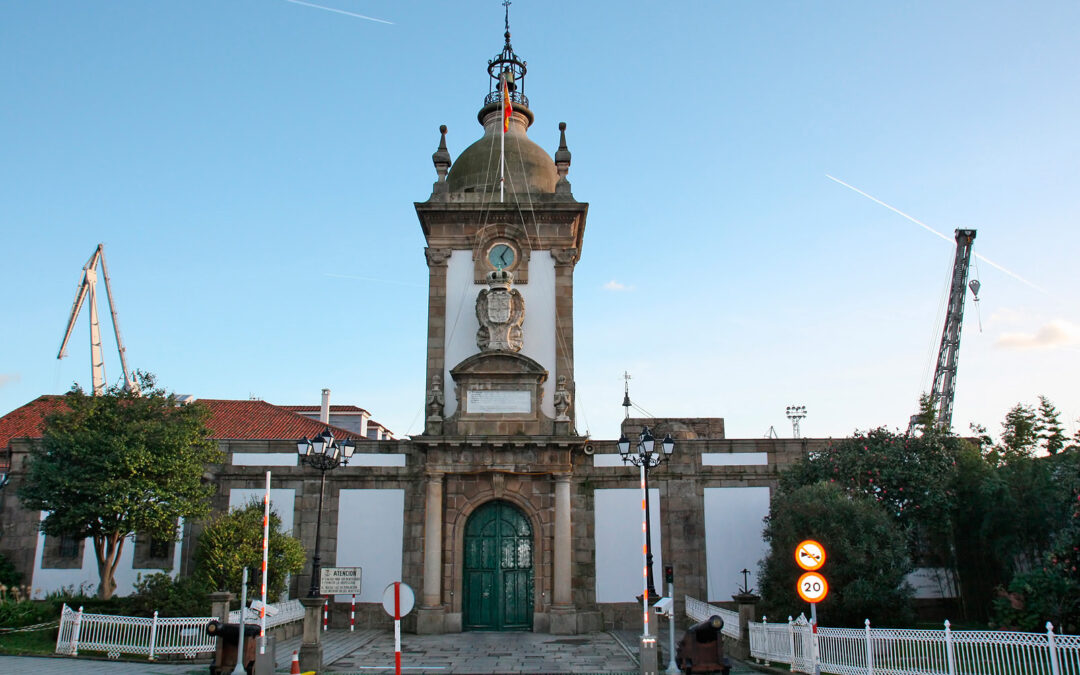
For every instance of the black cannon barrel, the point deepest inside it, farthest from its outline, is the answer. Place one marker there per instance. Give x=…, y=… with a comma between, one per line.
x=230, y=632
x=708, y=630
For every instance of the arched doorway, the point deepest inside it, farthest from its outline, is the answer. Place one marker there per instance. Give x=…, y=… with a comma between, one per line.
x=498, y=581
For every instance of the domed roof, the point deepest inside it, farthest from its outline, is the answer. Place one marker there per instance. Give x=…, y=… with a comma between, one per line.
x=529, y=168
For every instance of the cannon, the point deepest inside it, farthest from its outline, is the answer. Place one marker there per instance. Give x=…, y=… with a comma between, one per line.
x=228, y=641
x=701, y=649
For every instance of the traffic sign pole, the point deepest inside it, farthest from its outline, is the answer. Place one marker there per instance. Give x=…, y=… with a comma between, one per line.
x=397, y=628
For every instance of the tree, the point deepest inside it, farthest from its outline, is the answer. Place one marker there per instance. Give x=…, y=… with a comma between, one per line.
x=866, y=564
x=1048, y=427
x=911, y=477
x=112, y=465
x=1019, y=435
x=233, y=541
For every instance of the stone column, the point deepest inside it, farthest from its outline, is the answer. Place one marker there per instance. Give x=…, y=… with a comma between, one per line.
x=311, y=651
x=565, y=259
x=563, y=616
x=747, y=611
x=429, y=617
x=219, y=605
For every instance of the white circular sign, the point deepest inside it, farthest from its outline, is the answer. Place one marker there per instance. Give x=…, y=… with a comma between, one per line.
x=810, y=555
x=398, y=595
x=812, y=587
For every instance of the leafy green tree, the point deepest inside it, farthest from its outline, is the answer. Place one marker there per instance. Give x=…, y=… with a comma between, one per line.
x=233, y=541
x=867, y=557
x=1019, y=431
x=1050, y=591
x=112, y=465
x=911, y=477
x=1048, y=427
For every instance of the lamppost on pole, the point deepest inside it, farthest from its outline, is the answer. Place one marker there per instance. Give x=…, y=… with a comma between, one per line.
x=645, y=458
x=325, y=454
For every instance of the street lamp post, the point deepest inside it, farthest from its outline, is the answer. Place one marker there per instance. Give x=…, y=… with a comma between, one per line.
x=325, y=454
x=645, y=458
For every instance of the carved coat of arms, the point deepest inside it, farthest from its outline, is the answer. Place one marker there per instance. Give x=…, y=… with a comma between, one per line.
x=500, y=309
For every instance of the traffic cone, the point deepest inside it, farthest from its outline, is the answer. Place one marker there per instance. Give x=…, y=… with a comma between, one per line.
x=295, y=670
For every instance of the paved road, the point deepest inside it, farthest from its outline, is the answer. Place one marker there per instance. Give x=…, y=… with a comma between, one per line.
x=372, y=653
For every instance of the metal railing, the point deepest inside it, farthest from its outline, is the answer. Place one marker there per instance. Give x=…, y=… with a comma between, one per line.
x=894, y=651
x=696, y=610
x=150, y=636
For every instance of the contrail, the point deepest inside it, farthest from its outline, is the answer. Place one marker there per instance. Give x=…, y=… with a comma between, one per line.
x=338, y=11
x=933, y=231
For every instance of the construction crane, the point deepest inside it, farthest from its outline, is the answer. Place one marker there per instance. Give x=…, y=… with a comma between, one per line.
x=88, y=288
x=944, y=389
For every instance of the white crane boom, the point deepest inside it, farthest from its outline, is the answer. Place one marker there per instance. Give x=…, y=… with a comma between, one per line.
x=88, y=288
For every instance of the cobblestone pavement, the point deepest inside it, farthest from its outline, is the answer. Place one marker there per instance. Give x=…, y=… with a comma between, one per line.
x=488, y=653
x=372, y=653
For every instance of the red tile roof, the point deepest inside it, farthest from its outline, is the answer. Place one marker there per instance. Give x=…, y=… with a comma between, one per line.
x=248, y=420
x=25, y=422
x=262, y=420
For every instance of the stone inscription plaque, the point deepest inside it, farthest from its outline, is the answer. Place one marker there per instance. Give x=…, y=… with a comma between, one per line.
x=485, y=401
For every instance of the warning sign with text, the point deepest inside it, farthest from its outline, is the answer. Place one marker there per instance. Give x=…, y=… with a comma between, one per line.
x=339, y=580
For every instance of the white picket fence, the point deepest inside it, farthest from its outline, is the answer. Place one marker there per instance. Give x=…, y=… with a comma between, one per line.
x=151, y=637
x=891, y=651
x=698, y=611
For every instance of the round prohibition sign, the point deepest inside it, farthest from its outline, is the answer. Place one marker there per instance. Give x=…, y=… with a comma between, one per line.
x=812, y=587
x=810, y=555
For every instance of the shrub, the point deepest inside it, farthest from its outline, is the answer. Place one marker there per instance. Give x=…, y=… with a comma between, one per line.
x=185, y=596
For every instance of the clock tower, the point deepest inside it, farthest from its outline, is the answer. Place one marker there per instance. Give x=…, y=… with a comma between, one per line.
x=503, y=233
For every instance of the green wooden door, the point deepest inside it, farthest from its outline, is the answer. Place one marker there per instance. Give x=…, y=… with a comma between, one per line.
x=498, y=569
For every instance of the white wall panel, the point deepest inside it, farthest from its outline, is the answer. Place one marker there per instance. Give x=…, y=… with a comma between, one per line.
x=538, y=330
x=734, y=458
x=733, y=525
x=370, y=535
x=264, y=458
x=282, y=502
x=618, y=544
x=46, y=581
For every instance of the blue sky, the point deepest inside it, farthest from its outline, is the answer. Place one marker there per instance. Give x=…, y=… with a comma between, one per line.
x=251, y=166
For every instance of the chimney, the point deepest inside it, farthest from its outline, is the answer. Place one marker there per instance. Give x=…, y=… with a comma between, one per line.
x=324, y=411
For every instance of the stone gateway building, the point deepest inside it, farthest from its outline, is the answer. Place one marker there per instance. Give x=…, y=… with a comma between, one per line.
x=500, y=514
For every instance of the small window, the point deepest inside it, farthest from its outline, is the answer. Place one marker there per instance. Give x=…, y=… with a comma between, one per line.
x=159, y=548
x=69, y=547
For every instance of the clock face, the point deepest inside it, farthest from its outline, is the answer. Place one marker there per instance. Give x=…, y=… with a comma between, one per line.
x=501, y=256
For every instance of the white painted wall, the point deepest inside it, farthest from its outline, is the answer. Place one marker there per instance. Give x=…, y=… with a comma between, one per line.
x=282, y=501
x=538, y=330
x=734, y=458
x=370, y=535
x=733, y=524
x=265, y=458
x=46, y=581
x=618, y=544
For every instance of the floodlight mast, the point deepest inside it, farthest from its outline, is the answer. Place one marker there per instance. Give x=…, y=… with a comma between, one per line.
x=88, y=288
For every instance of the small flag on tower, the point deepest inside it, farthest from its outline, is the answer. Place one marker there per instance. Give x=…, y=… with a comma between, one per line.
x=507, y=108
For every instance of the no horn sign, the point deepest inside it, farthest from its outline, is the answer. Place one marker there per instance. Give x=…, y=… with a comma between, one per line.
x=810, y=555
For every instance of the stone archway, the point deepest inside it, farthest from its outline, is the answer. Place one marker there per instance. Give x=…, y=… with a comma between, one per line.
x=498, y=574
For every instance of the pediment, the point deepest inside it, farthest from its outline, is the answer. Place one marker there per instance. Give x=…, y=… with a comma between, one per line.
x=498, y=363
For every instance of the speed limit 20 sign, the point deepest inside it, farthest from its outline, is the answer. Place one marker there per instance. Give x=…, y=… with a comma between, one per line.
x=812, y=587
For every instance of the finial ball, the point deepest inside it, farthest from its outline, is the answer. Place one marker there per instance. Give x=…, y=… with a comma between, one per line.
x=562, y=126
x=442, y=128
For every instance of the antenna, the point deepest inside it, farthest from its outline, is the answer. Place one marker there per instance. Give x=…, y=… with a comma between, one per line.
x=795, y=413
x=626, y=394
